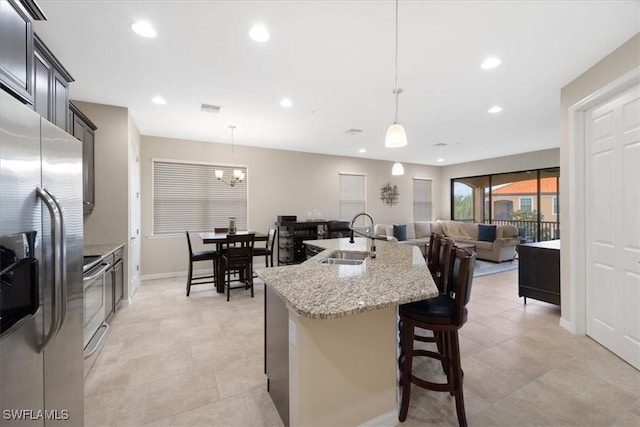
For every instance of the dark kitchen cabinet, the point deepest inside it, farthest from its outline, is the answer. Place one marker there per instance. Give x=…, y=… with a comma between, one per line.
x=16, y=47
x=83, y=129
x=50, y=86
x=118, y=278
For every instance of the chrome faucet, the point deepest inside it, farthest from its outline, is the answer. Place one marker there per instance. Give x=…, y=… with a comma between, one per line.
x=368, y=235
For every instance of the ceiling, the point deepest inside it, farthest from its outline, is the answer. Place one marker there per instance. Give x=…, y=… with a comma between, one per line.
x=335, y=61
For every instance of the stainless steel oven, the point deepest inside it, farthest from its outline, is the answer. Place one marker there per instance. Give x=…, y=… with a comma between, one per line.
x=95, y=280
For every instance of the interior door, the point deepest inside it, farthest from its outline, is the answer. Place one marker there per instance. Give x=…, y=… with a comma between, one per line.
x=612, y=136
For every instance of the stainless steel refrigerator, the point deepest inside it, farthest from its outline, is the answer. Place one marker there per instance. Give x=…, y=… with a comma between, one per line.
x=41, y=293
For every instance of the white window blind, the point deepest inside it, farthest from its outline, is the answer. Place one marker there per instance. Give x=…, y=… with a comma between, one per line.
x=422, y=199
x=352, y=195
x=188, y=197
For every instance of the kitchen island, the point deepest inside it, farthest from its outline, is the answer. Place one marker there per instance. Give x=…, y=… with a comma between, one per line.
x=331, y=332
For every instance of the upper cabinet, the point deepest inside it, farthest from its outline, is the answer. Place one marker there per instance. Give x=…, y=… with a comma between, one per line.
x=84, y=129
x=16, y=46
x=50, y=86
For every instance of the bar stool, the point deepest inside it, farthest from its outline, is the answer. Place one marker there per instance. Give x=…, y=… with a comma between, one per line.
x=442, y=257
x=444, y=315
x=200, y=256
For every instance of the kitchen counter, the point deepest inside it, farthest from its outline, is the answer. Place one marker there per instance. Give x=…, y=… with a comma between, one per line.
x=100, y=250
x=331, y=333
x=315, y=290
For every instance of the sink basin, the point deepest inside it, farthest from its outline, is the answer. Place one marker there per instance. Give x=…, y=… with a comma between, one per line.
x=340, y=261
x=346, y=258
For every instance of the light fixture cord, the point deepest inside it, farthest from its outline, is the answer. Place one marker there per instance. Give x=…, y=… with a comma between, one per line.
x=396, y=79
x=232, y=127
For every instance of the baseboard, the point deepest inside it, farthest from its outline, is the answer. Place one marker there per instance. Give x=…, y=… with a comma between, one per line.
x=173, y=274
x=567, y=325
x=389, y=419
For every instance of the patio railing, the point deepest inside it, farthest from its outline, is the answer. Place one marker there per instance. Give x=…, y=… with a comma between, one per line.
x=547, y=230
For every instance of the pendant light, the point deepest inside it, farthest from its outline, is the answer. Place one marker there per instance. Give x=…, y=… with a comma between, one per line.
x=397, y=169
x=396, y=135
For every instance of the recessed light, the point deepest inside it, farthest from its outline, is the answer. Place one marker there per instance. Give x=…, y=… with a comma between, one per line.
x=495, y=109
x=362, y=150
x=286, y=103
x=144, y=29
x=158, y=100
x=440, y=160
x=259, y=33
x=490, y=63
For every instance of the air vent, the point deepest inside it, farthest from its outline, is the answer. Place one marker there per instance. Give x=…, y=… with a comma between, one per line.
x=440, y=144
x=208, y=108
x=353, y=131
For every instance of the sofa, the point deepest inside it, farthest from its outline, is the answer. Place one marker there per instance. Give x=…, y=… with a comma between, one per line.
x=497, y=248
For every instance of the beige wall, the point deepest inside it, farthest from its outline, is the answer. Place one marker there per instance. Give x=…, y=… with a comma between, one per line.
x=108, y=223
x=281, y=183
x=607, y=70
x=519, y=162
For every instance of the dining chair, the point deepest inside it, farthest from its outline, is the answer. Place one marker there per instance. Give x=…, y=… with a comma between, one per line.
x=237, y=254
x=200, y=256
x=267, y=251
x=445, y=315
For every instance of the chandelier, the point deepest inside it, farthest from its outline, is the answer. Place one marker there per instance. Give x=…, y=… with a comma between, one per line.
x=238, y=175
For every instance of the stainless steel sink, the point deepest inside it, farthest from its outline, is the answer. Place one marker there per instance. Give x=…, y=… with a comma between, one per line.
x=346, y=258
x=339, y=261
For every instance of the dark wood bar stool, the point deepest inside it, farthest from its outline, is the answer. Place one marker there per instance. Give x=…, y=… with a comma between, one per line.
x=237, y=254
x=200, y=256
x=444, y=315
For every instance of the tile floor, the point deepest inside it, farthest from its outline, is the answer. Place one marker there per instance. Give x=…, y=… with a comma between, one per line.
x=198, y=361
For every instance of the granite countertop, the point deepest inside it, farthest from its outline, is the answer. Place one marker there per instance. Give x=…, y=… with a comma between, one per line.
x=397, y=275
x=100, y=250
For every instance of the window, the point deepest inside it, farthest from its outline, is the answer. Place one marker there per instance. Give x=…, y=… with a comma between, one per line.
x=462, y=202
x=526, y=204
x=422, y=199
x=554, y=205
x=187, y=196
x=352, y=195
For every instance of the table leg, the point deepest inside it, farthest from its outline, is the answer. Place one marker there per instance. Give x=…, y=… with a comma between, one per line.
x=220, y=276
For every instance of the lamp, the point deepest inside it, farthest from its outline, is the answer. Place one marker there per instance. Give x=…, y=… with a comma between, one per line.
x=238, y=175
x=396, y=135
x=397, y=169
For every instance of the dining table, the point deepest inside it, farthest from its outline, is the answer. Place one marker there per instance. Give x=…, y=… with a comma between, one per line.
x=219, y=239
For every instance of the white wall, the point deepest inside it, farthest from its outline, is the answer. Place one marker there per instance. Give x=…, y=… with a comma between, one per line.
x=280, y=183
x=607, y=70
x=108, y=222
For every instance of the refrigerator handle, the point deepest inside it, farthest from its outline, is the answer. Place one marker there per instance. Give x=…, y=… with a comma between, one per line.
x=55, y=229
x=62, y=242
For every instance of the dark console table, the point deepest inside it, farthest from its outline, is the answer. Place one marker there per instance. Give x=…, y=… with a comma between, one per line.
x=539, y=271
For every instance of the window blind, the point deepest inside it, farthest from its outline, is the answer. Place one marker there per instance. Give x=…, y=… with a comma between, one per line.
x=422, y=199
x=352, y=195
x=187, y=196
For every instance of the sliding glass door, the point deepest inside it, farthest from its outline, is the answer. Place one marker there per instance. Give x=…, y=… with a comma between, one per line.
x=527, y=199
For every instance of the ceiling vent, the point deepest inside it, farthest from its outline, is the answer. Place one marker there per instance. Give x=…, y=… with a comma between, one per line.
x=353, y=131
x=440, y=144
x=208, y=108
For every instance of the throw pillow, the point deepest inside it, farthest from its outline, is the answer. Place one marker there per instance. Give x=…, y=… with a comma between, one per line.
x=486, y=233
x=400, y=232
